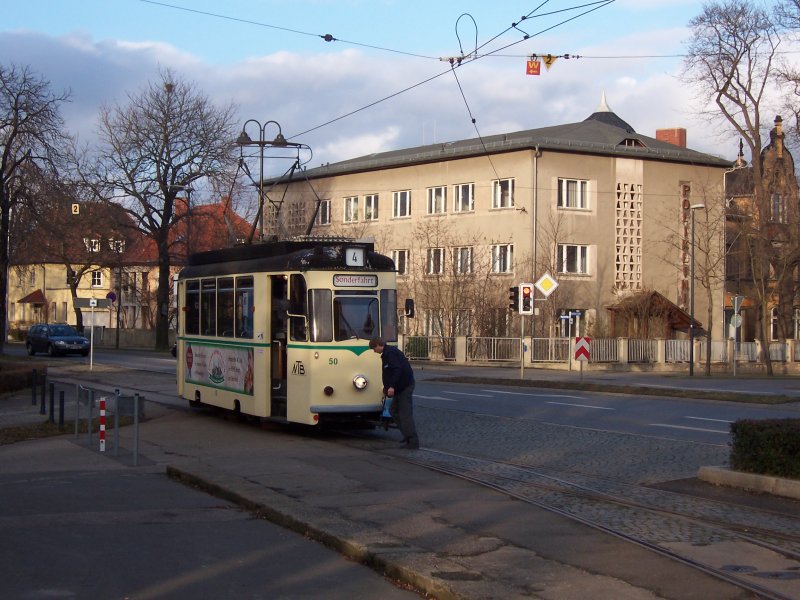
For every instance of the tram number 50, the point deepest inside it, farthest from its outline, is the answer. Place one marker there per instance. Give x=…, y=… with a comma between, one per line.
x=333, y=361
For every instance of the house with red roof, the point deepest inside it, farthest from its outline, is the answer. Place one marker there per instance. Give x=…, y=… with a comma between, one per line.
x=108, y=258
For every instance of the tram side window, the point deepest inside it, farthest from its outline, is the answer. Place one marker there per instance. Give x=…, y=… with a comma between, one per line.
x=297, y=306
x=244, y=307
x=389, y=315
x=319, y=315
x=225, y=307
x=192, y=312
x=208, y=307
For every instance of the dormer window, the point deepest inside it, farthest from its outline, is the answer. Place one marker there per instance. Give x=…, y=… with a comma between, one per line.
x=632, y=143
x=117, y=246
x=91, y=245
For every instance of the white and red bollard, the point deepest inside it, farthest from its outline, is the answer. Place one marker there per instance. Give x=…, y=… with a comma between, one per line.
x=102, y=424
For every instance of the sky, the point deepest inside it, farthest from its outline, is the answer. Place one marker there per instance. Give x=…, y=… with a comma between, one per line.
x=381, y=84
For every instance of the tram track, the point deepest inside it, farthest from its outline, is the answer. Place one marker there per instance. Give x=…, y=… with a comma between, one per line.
x=754, y=549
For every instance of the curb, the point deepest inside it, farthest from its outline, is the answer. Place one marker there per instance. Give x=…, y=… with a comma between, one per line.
x=768, y=484
x=390, y=558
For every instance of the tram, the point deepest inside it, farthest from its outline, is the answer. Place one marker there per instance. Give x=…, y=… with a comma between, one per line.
x=281, y=330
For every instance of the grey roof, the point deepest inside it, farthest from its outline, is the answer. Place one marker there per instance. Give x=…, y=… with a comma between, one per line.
x=603, y=133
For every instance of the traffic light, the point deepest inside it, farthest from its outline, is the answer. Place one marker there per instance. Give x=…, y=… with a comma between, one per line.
x=526, y=298
x=513, y=297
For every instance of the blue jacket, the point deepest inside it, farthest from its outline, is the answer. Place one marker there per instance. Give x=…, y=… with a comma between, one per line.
x=397, y=372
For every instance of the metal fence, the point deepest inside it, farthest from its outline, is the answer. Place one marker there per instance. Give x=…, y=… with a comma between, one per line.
x=605, y=350
x=493, y=349
x=421, y=347
x=549, y=349
x=642, y=351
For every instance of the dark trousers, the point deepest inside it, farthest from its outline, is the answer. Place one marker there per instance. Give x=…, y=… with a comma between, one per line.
x=402, y=411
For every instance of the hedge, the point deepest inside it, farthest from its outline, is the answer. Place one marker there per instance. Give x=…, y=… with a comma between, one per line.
x=766, y=447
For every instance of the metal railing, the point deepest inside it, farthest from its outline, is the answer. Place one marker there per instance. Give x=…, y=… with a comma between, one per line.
x=642, y=351
x=549, y=349
x=605, y=350
x=493, y=349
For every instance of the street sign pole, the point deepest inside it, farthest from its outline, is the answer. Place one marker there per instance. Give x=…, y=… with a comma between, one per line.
x=522, y=346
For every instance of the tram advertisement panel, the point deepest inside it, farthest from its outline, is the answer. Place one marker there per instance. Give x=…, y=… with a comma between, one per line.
x=224, y=367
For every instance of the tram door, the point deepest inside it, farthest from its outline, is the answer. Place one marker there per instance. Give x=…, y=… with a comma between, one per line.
x=279, y=321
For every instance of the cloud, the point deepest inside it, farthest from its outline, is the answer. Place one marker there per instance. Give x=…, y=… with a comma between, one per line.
x=344, y=103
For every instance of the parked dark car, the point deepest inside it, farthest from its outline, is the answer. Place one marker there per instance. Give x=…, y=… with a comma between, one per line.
x=55, y=339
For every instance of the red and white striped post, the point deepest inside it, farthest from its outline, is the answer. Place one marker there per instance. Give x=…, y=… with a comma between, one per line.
x=102, y=424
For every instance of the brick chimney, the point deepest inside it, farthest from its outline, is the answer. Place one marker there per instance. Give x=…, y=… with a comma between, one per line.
x=675, y=136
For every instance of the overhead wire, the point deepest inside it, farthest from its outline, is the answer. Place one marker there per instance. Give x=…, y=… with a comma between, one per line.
x=601, y=4
x=454, y=61
x=325, y=36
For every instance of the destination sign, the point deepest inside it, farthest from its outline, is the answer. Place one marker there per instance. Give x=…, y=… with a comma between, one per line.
x=348, y=280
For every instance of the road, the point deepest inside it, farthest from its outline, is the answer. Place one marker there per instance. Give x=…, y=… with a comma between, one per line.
x=689, y=420
x=611, y=460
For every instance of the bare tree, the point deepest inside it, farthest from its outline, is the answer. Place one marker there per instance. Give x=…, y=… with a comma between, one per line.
x=709, y=246
x=31, y=132
x=730, y=61
x=162, y=141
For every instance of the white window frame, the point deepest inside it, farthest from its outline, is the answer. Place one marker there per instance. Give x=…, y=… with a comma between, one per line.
x=462, y=260
x=400, y=258
x=324, y=213
x=97, y=279
x=435, y=261
x=350, y=205
x=573, y=193
x=92, y=245
x=401, y=204
x=502, y=258
x=459, y=200
x=437, y=200
x=371, y=207
x=573, y=259
x=503, y=193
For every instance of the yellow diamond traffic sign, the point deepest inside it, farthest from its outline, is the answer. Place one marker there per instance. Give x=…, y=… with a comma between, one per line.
x=546, y=284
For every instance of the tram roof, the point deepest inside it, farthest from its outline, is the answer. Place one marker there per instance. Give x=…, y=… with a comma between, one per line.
x=287, y=255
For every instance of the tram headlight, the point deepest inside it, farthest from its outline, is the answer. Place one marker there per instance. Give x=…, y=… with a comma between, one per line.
x=359, y=382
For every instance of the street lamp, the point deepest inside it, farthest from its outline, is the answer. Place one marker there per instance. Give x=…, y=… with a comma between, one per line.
x=693, y=207
x=262, y=143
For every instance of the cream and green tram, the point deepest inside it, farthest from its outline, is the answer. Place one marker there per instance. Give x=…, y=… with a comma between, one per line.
x=281, y=330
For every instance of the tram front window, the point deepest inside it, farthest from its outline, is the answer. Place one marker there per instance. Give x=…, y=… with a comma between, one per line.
x=355, y=317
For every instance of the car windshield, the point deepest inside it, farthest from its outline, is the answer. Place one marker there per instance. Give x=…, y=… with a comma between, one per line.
x=62, y=330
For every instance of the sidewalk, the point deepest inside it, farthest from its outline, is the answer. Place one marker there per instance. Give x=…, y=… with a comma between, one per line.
x=444, y=536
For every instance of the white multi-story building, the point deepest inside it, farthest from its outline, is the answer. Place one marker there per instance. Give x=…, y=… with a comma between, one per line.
x=604, y=210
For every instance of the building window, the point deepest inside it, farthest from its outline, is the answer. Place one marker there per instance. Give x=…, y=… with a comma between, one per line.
x=371, y=207
x=117, y=246
x=401, y=204
x=324, y=213
x=400, y=258
x=91, y=245
x=572, y=259
x=777, y=209
x=435, y=261
x=464, y=200
x=573, y=193
x=503, y=193
x=437, y=200
x=773, y=324
x=797, y=323
x=351, y=209
x=502, y=258
x=97, y=279
x=462, y=259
